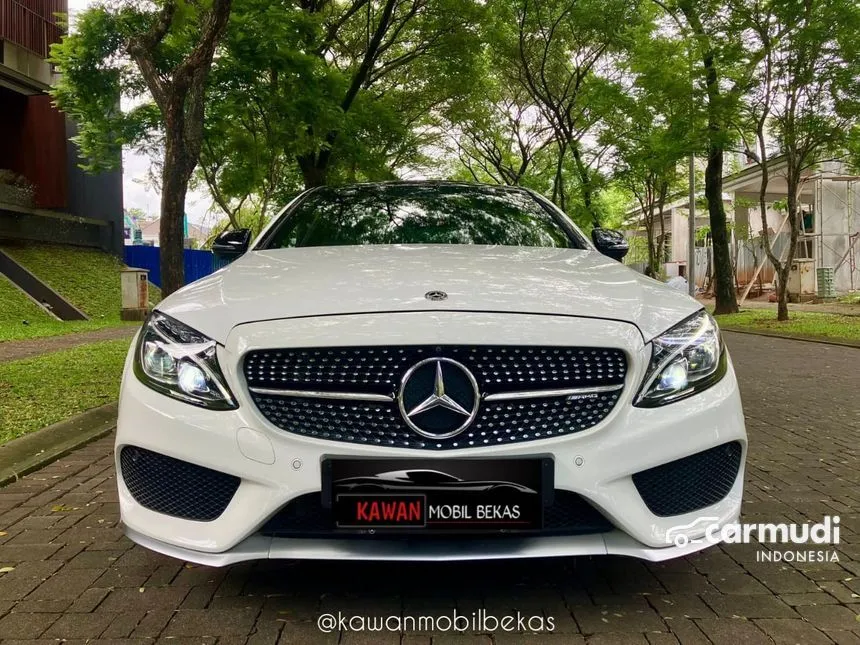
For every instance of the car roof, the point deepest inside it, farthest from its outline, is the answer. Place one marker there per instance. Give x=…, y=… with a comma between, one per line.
x=440, y=183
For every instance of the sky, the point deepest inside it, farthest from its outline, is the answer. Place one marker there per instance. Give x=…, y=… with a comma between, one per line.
x=136, y=191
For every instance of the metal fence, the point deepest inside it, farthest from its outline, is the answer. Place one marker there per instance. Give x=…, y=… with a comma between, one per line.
x=198, y=264
x=746, y=256
x=32, y=25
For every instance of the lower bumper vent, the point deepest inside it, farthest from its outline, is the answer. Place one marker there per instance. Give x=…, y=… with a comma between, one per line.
x=305, y=516
x=175, y=487
x=691, y=483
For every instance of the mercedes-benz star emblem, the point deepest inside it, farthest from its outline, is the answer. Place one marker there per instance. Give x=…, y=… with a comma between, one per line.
x=436, y=296
x=438, y=398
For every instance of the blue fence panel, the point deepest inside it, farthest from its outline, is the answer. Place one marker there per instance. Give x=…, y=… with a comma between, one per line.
x=198, y=264
x=144, y=257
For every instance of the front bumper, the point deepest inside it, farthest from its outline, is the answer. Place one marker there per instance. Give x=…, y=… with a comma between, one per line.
x=276, y=466
x=259, y=547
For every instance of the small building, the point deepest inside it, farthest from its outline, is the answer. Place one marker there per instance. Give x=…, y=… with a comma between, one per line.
x=195, y=234
x=44, y=195
x=830, y=228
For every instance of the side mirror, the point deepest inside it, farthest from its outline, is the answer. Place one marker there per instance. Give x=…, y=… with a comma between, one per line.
x=609, y=242
x=232, y=243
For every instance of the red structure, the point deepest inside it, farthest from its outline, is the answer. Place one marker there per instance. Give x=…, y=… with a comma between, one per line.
x=34, y=141
x=33, y=132
x=32, y=24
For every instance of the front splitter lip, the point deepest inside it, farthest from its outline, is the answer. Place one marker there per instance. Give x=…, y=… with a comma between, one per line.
x=260, y=547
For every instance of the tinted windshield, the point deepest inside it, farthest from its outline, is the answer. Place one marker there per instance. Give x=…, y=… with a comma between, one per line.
x=420, y=214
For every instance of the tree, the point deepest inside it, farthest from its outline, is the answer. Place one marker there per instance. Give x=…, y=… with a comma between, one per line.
x=377, y=50
x=714, y=30
x=555, y=51
x=653, y=129
x=282, y=114
x=162, y=49
x=805, y=99
x=503, y=139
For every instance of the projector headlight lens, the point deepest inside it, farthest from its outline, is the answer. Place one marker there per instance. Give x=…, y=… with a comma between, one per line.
x=176, y=360
x=684, y=360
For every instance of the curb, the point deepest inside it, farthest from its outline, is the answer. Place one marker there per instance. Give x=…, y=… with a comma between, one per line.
x=38, y=449
x=803, y=339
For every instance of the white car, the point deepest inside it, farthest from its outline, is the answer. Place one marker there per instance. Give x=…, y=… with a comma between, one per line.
x=425, y=371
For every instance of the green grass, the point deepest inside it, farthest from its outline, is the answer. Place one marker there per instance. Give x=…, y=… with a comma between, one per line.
x=87, y=278
x=16, y=306
x=37, y=392
x=17, y=330
x=800, y=323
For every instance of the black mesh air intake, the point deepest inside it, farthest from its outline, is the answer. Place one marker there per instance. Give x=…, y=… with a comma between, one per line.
x=305, y=516
x=691, y=483
x=175, y=487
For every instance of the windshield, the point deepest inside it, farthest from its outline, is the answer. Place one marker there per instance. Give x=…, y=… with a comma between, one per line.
x=421, y=214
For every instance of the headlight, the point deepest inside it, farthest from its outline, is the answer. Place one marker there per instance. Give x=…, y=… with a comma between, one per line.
x=686, y=359
x=178, y=361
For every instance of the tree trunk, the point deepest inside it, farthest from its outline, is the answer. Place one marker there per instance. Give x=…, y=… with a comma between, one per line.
x=782, y=292
x=314, y=173
x=793, y=181
x=724, y=288
x=175, y=176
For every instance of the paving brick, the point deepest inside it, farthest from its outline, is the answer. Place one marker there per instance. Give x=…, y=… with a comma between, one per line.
x=123, y=577
x=680, y=605
x=613, y=638
x=65, y=584
x=211, y=622
x=25, y=625
x=307, y=633
x=754, y=606
x=737, y=583
x=835, y=617
x=25, y=577
x=819, y=598
x=13, y=553
x=661, y=638
x=89, y=600
x=72, y=626
x=122, y=625
x=605, y=618
x=792, y=631
x=153, y=623
x=150, y=598
x=733, y=630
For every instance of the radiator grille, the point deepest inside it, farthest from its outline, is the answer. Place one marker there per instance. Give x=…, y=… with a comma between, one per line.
x=379, y=371
x=381, y=424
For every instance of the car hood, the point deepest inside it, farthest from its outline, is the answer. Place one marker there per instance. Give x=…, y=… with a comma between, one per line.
x=320, y=281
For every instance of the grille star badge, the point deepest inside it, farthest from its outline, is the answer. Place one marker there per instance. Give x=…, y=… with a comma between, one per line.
x=452, y=403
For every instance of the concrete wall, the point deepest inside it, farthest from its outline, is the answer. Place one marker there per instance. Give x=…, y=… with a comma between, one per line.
x=26, y=62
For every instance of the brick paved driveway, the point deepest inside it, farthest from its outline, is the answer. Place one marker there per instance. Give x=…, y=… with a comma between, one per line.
x=76, y=578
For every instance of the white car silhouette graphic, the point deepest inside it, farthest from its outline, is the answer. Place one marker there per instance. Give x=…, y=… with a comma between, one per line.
x=678, y=534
